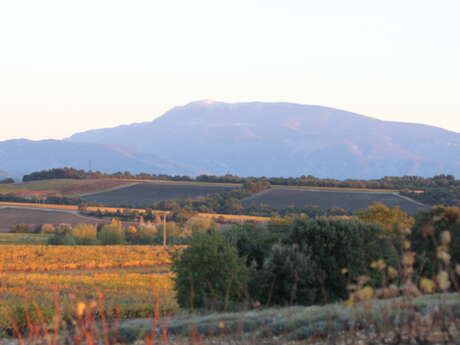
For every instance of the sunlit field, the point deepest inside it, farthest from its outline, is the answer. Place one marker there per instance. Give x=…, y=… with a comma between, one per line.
x=128, y=281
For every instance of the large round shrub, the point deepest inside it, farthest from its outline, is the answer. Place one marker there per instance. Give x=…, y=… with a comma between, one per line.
x=209, y=273
x=334, y=245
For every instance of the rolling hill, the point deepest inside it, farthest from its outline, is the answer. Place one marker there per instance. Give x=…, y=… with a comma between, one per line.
x=21, y=156
x=285, y=139
x=281, y=198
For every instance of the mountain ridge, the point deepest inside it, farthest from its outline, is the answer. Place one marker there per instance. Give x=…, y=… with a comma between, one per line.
x=305, y=133
x=260, y=139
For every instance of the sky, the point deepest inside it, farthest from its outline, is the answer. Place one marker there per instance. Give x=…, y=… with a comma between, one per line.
x=69, y=66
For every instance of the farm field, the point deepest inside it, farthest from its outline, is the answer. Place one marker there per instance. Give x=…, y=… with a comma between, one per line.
x=127, y=280
x=38, y=239
x=62, y=187
x=148, y=193
x=280, y=198
x=58, y=258
x=14, y=215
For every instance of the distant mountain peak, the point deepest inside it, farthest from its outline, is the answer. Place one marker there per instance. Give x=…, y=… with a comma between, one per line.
x=285, y=139
x=207, y=101
x=203, y=102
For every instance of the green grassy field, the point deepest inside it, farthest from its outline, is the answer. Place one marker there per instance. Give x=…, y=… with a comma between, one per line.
x=37, y=239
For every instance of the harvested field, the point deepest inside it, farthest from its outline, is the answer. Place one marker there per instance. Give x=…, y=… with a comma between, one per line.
x=64, y=187
x=145, y=194
x=11, y=216
x=280, y=198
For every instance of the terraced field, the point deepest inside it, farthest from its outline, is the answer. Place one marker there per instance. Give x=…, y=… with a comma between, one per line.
x=145, y=194
x=11, y=216
x=280, y=198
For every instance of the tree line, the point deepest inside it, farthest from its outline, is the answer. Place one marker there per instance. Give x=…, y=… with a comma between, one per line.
x=441, y=189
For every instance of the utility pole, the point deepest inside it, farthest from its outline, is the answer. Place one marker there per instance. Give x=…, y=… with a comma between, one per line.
x=164, y=229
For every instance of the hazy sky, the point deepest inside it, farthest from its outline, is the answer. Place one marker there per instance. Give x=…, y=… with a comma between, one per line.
x=67, y=66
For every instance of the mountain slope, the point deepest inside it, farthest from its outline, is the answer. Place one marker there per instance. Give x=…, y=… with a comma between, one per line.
x=285, y=139
x=19, y=157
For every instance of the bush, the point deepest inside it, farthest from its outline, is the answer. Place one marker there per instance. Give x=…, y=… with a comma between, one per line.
x=391, y=219
x=112, y=234
x=6, y=181
x=47, y=229
x=20, y=229
x=142, y=234
x=84, y=234
x=63, y=228
x=426, y=237
x=209, y=273
x=62, y=239
x=200, y=224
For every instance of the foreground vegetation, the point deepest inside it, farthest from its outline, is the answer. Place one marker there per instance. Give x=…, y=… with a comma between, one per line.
x=129, y=280
x=382, y=276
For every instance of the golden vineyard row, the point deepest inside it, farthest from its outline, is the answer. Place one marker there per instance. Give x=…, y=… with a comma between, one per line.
x=20, y=258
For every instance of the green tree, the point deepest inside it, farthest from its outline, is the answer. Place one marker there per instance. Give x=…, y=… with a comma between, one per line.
x=333, y=245
x=112, y=233
x=286, y=278
x=209, y=273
